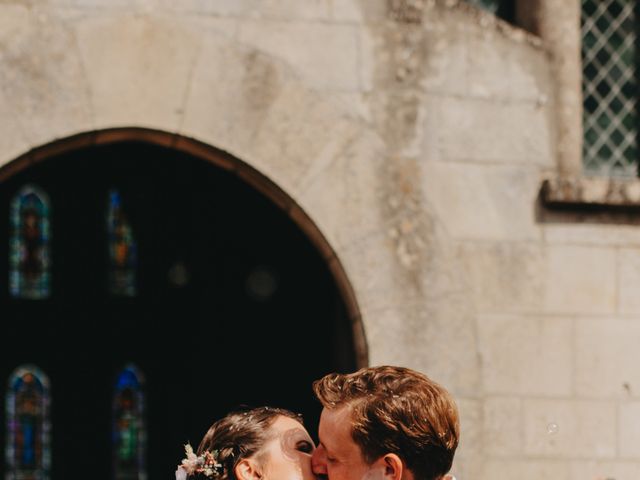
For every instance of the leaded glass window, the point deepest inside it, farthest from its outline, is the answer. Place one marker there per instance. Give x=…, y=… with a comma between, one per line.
x=609, y=35
x=29, y=244
x=28, y=446
x=129, y=431
x=123, y=249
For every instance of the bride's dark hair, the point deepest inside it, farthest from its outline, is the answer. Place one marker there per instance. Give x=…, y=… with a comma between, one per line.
x=240, y=434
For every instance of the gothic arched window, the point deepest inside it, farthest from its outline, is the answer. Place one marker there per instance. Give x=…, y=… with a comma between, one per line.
x=129, y=430
x=29, y=255
x=28, y=448
x=123, y=249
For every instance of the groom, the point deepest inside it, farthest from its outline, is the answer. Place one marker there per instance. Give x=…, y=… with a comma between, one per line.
x=384, y=423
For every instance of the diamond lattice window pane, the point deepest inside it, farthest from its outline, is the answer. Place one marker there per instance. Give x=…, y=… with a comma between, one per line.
x=610, y=87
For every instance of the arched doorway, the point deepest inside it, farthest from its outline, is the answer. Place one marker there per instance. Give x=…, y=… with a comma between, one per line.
x=224, y=300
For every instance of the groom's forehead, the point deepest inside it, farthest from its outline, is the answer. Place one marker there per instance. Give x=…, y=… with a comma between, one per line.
x=338, y=415
x=335, y=425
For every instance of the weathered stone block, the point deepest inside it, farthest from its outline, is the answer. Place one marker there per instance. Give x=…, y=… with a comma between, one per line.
x=138, y=69
x=526, y=355
x=436, y=339
x=13, y=141
x=471, y=422
x=629, y=430
x=485, y=131
x=231, y=91
x=569, y=428
x=502, y=433
x=483, y=202
x=524, y=469
x=603, y=470
x=607, y=356
x=628, y=280
x=341, y=160
x=506, y=69
x=41, y=75
x=324, y=55
x=580, y=280
x=606, y=235
x=503, y=276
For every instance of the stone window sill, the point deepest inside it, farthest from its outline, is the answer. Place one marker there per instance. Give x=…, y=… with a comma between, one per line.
x=591, y=192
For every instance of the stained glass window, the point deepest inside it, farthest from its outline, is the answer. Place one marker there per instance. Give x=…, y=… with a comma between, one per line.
x=129, y=431
x=29, y=255
x=123, y=249
x=28, y=448
x=610, y=87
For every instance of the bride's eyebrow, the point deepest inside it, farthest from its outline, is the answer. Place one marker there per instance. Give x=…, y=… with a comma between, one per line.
x=295, y=433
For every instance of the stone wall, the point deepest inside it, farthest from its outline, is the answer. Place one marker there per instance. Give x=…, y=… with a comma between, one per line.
x=416, y=134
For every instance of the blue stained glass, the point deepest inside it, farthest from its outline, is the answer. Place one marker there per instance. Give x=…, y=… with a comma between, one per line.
x=123, y=249
x=29, y=244
x=129, y=430
x=28, y=445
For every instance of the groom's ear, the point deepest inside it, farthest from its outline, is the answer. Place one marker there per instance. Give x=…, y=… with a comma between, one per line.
x=393, y=466
x=247, y=469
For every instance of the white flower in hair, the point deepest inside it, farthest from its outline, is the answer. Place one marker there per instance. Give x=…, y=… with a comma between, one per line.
x=192, y=462
x=181, y=473
x=206, y=464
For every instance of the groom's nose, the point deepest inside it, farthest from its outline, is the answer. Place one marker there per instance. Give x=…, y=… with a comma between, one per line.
x=319, y=461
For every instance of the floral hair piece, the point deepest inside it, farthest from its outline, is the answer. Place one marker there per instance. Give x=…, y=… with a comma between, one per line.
x=205, y=464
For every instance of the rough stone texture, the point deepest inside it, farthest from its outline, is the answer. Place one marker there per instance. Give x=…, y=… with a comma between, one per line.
x=527, y=356
x=559, y=191
x=418, y=337
x=502, y=428
x=505, y=66
x=42, y=76
x=628, y=279
x=580, y=280
x=620, y=470
x=230, y=85
x=606, y=358
x=563, y=428
x=629, y=430
x=13, y=141
x=344, y=167
x=483, y=203
x=142, y=77
x=592, y=234
x=471, y=415
x=504, y=277
x=342, y=11
x=324, y=55
x=463, y=132
x=526, y=469
x=415, y=134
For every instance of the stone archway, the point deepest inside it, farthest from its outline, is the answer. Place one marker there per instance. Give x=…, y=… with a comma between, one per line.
x=177, y=375
x=227, y=162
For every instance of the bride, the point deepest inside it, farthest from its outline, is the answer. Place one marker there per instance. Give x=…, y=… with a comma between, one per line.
x=264, y=443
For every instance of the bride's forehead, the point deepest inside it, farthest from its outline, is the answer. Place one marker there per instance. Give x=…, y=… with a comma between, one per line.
x=286, y=424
